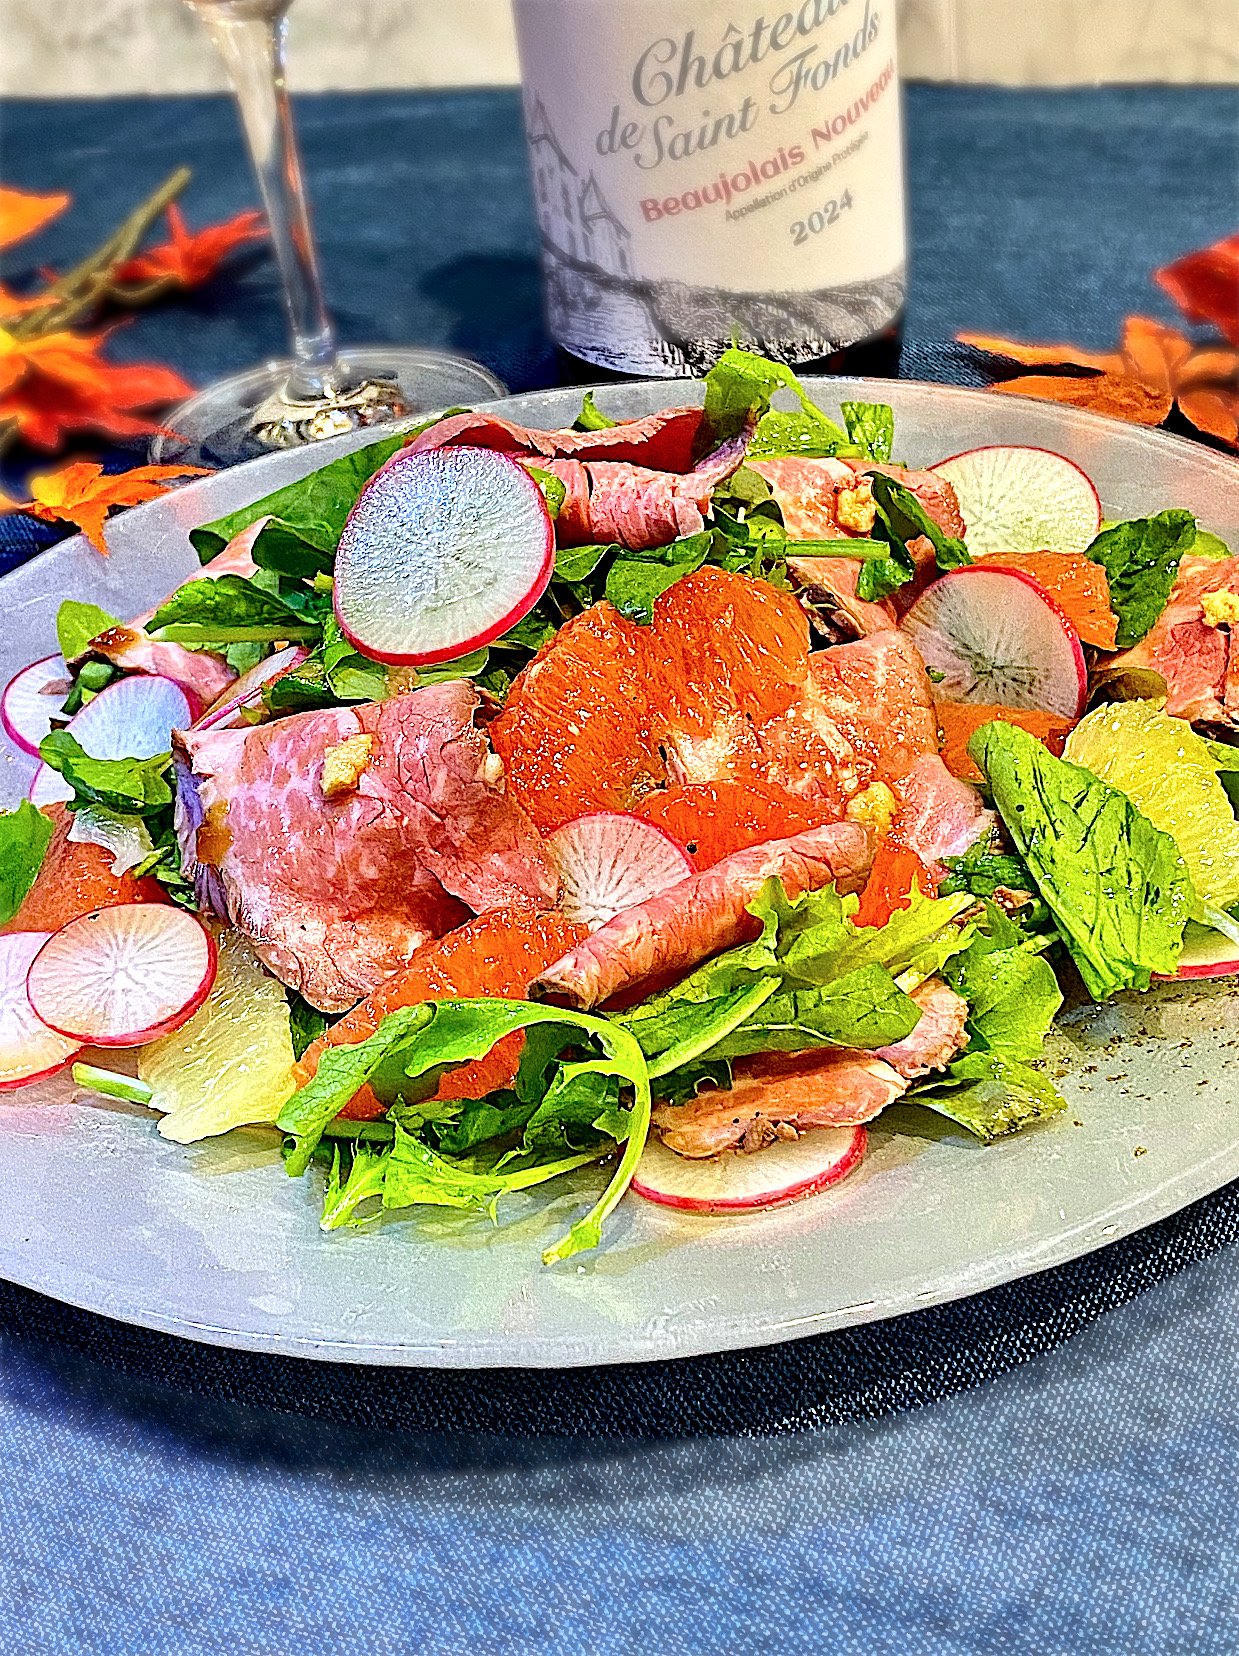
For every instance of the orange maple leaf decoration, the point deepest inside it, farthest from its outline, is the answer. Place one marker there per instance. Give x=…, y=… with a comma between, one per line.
x=1156, y=366
x=22, y=213
x=59, y=383
x=188, y=259
x=79, y=493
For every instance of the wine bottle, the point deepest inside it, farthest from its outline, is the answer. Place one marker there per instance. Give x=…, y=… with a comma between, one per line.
x=707, y=176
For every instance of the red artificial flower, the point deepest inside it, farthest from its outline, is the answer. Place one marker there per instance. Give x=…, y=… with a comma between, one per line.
x=1205, y=286
x=59, y=383
x=189, y=259
x=79, y=493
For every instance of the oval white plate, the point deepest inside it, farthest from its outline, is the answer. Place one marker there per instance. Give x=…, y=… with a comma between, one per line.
x=215, y=1243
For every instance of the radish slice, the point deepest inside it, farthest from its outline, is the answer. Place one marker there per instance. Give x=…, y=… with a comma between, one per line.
x=741, y=1181
x=1209, y=956
x=997, y=636
x=132, y=718
x=442, y=553
x=247, y=691
x=609, y=861
x=1022, y=500
x=29, y=1050
x=32, y=698
x=124, y=975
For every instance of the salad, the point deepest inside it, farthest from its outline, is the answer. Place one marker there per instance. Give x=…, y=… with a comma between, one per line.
x=671, y=795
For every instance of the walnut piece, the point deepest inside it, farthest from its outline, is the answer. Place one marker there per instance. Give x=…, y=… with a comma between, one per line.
x=855, y=509
x=344, y=764
x=876, y=808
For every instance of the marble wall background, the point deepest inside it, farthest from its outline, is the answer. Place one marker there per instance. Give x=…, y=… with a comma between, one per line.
x=91, y=47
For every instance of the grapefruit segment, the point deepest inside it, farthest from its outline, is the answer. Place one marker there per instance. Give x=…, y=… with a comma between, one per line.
x=717, y=688
x=1079, y=587
x=499, y=953
x=713, y=819
x=76, y=878
x=959, y=720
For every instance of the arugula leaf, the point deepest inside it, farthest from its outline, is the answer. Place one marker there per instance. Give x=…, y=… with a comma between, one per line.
x=479, y=1119
x=1116, y=885
x=416, y=1175
x=990, y=1095
x=415, y=1046
x=578, y=563
x=132, y=787
x=307, y=517
x=77, y=624
x=636, y=579
x=1141, y=560
x=24, y=837
x=871, y=426
x=902, y=518
x=591, y=417
x=229, y=609
x=553, y=488
x=815, y=979
x=740, y=386
x=305, y=1022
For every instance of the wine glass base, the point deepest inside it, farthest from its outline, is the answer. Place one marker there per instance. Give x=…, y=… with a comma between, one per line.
x=250, y=414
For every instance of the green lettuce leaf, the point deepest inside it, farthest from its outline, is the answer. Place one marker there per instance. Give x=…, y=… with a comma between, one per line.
x=77, y=624
x=553, y=489
x=636, y=579
x=1141, y=559
x=24, y=837
x=990, y=1095
x=1116, y=885
x=132, y=787
x=307, y=517
x=871, y=426
x=413, y=1048
x=229, y=609
x=739, y=388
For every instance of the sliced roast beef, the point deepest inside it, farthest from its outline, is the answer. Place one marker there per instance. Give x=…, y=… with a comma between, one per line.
x=878, y=693
x=636, y=506
x=826, y=499
x=204, y=675
x=1191, y=644
x=704, y=913
x=940, y=816
x=340, y=841
x=779, y=1095
x=662, y=441
x=938, y=1036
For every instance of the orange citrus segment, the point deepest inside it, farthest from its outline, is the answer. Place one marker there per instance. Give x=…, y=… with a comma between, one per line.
x=958, y=720
x=1077, y=585
x=716, y=687
x=499, y=954
x=75, y=880
x=713, y=819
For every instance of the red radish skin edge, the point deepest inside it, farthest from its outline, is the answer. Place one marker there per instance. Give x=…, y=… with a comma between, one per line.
x=165, y=1026
x=993, y=567
x=16, y=1081
x=1033, y=448
x=763, y=1204
x=432, y=658
x=10, y=728
x=677, y=846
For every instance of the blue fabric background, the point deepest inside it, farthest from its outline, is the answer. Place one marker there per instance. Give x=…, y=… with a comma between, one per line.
x=157, y=1497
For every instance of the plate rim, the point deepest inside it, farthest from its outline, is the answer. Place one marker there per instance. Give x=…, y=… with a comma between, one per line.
x=725, y=1332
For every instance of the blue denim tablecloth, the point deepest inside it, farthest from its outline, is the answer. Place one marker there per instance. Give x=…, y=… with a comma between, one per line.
x=1070, y=1482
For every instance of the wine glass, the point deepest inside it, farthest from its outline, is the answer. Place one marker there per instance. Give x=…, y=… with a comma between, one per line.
x=321, y=390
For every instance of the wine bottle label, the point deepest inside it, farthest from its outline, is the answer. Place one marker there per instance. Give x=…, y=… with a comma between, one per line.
x=706, y=173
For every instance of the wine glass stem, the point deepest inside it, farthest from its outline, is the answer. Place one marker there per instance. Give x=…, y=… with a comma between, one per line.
x=250, y=37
